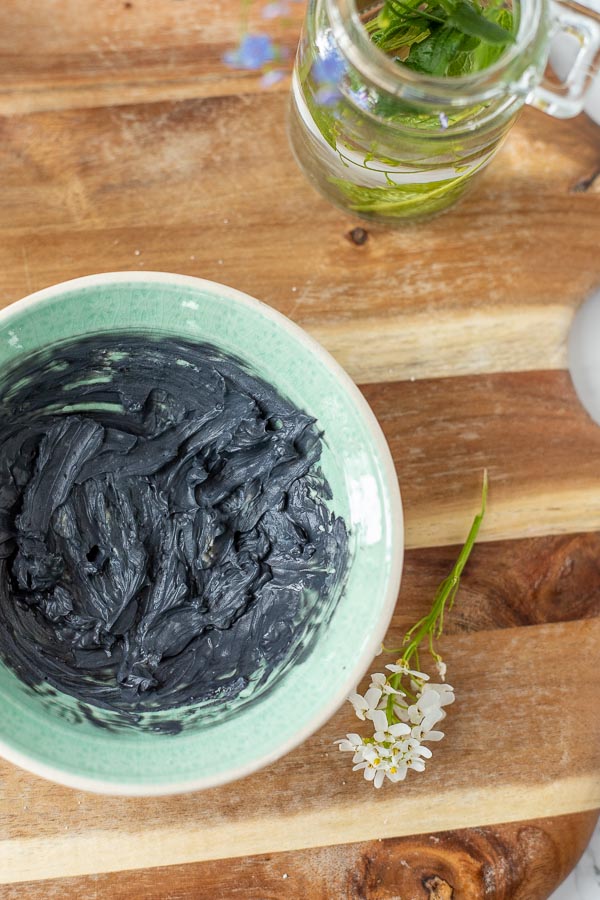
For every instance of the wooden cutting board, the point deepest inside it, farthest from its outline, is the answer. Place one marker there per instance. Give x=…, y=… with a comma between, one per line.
x=456, y=331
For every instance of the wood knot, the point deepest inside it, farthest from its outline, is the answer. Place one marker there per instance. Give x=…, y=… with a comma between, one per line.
x=438, y=888
x=358, y=236
x=584, y=184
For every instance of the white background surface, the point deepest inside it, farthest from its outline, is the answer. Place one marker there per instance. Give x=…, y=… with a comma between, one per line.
x=584, y=881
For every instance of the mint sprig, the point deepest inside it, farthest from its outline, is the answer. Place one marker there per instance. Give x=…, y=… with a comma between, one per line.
x=443, y=37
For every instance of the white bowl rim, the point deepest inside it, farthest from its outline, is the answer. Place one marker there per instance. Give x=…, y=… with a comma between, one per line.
x=359, y=668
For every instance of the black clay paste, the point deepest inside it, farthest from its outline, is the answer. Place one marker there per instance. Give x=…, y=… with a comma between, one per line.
x=165, y=533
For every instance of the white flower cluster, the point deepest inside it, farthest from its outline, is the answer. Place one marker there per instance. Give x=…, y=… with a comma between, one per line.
x=404, y=718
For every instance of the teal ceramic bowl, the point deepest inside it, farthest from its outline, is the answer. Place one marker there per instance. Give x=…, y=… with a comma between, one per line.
x=50, y=738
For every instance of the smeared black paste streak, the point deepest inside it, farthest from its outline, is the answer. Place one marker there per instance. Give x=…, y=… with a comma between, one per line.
x=165, y=534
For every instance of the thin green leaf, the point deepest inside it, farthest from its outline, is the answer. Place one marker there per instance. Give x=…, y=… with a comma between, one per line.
x=323, y=119
x=403, y=36
x=487, y=54
x=470, y=21
x=402, y=200
x=404, y=7
x=448, y=6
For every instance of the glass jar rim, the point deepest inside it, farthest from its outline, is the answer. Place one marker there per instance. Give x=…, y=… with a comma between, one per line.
x=385, y=74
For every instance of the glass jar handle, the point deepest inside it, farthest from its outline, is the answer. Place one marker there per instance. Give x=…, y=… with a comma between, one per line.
x=567, y=99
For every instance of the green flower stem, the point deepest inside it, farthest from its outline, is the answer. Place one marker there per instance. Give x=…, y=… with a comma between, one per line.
x=431, y=625
x=389, y=709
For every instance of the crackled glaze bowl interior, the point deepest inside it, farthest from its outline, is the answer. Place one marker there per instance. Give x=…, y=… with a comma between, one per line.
x=47, y=734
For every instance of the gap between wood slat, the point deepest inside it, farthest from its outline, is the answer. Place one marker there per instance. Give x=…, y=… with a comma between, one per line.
x=519, y=763
x=116, y=850
x=92, y=95
x=69, y=54
x=468, y=861
x=528, y=429
x=469, y=342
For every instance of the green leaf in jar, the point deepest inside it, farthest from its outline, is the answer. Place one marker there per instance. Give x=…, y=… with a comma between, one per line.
x=469, y=20
x=435, y=55
x=444, y=37
x=402, y=36
x=487, y=54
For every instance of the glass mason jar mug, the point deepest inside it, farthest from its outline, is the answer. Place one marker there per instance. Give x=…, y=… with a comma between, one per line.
x=392, y=144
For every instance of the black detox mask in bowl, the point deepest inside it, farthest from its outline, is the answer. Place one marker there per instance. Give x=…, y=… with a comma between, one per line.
x=165, y=529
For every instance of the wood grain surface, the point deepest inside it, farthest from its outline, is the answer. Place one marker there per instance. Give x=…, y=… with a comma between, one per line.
x=521, y=861
x=541, y=449
x=508, y=754
x=61, y=54
x=209, y=188
x=126, y=144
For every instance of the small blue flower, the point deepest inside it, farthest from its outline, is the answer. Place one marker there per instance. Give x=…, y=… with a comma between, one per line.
x=253, y=52
x=275, y=9
x=328, y=69
x=327, y=95
x=231, y=58
x=272, y=77
x=360, y=97
x=443, y=120
x=327, y=72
